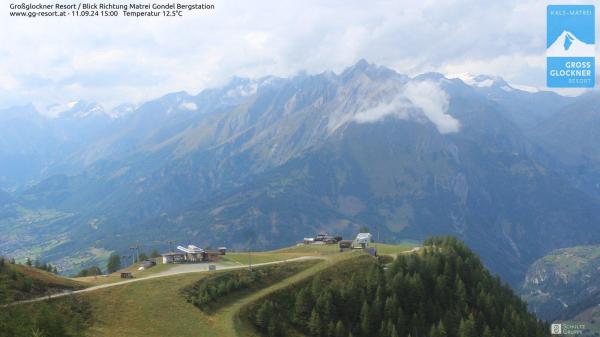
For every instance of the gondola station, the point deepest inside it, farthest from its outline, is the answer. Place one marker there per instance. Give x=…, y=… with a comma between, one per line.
x=192, y=254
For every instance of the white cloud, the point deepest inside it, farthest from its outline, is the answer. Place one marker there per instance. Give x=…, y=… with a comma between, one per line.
x=398, y=108
x=433, y=101
x=426, y=96
x=525, y=88
x=188, y=106
x=114, y=60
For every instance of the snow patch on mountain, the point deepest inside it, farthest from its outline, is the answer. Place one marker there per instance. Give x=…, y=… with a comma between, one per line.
x=239, y=89
x=191, y=106
x=121, y=110
x=526, y=88
x=480, y=81
x=83, y=110
x=55, y=110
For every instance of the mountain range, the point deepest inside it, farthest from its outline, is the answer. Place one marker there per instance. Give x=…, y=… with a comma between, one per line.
x=262, y=163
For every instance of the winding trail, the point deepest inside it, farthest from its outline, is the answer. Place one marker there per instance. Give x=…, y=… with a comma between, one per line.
x=230, y=313
x=185, y=269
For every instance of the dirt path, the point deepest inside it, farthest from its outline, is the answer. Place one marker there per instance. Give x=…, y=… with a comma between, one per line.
x=186, y=269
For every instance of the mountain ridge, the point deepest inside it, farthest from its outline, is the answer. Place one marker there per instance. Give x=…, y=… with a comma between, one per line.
x=283, y=158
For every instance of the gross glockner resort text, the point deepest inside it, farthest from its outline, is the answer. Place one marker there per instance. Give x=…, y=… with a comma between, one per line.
x=112, y=6
x=570, y=72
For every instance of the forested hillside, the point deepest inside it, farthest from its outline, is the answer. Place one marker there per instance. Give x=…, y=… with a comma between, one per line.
x=442, y=291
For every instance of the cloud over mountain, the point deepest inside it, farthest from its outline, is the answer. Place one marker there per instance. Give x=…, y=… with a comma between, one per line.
x=426, y=96
x=116, y=60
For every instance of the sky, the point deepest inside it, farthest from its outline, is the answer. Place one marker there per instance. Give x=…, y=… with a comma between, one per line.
x=119, y=60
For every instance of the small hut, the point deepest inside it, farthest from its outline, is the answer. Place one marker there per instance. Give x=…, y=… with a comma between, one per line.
x=211, y=256
x=345, y=244
x=126, y=275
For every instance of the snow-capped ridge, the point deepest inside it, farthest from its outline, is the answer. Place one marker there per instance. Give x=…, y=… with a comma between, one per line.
x=74, y=109
x=482, y=81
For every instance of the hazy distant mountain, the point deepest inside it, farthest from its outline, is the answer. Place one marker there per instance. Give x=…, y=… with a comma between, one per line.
x=5, y=198
x=266, y=162
x=573, y=137
x=33, y=147
x=526, y=109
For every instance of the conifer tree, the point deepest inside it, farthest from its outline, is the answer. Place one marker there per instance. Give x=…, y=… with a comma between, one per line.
x=114, y=263
x=441, y=329
x=467, y=328
x=314, y=324
x=274, y=328
x=340, y=330
x=394, y=332
x=302, y=307
x=365, y=321
x=487, y=332
x=264, y=314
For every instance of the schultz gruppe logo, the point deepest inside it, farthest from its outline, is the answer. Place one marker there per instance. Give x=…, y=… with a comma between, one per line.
x=556, y=329
x=567, y=329
x=571, y=46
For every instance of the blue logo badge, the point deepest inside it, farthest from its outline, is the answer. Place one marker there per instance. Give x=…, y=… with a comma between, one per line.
x=570, y=46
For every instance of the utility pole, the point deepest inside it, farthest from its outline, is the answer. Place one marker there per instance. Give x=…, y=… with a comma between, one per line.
x=170, y=242
x=132, y=249
x=138, y=246
x=136, y=251
x=251, y=237
x=249, y=259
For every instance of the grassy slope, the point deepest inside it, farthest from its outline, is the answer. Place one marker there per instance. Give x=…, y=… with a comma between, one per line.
x=116, y=277
x=312, y=250
x=47, y=278
x=42, y=283
x=157, y=308
x=152, y=308
x=282, y=254
x=574, y=259
x=241, y=258
x=388, y=249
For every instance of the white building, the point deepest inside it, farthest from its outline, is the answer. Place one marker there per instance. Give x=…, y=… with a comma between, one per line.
x=189, y=253
x=363, y=239
x=173, y=257
x=192, y=253
x=308, y=241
